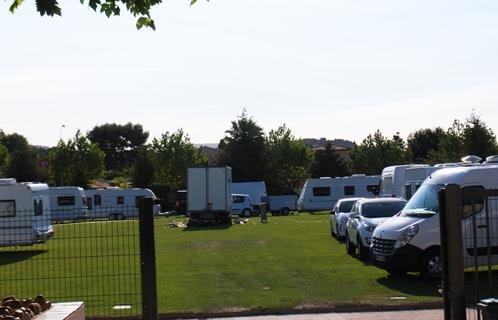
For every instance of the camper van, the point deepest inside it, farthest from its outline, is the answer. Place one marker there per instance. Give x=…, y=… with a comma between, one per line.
x=323, y=193
x=67, y=204
x=24, y=213
x=410, y=241
x=116, y=203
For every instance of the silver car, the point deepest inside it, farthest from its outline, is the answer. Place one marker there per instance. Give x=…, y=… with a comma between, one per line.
x=339, y=217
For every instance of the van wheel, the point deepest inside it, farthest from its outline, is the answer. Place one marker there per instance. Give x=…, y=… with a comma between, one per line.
x=362, y=251
x=246, y=213
x=431, y=265
x=350, y=248
x=285, y=211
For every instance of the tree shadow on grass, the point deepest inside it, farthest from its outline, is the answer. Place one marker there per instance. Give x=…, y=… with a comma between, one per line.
x=8, y=257
x=411, y=284
x=207, y=227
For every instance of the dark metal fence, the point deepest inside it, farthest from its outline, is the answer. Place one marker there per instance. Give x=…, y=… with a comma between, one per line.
x=469, y=238
x=79, y=258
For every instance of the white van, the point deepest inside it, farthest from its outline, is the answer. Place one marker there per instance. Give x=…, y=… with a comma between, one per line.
x=323, y=193
x=410, y=241
x=413, y=178
x=68, y=204
x=242, y=205
x=24, y=213
x=116, y=203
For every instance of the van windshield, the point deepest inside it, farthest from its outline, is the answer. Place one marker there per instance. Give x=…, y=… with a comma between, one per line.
x=424, y=202
x=381, y=209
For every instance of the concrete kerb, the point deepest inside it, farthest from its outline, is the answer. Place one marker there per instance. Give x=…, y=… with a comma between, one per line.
x=343, y=308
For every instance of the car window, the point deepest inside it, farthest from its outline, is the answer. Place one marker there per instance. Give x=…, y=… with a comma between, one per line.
x=381, y=209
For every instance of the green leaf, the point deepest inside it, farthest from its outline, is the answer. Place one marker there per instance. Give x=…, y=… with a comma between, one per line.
x=15, y=5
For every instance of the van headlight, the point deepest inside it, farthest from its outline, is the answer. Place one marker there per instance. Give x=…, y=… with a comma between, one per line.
x=369, y=227
x=406, y=236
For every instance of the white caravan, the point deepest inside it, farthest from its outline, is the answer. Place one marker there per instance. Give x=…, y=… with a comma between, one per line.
x=414, y=177
x=282, y=204
x=24, y=213
x=67, y=204
x=323, y=193
x=117, y=203
x=256, y=190
x=394, y=178
x=411, y=240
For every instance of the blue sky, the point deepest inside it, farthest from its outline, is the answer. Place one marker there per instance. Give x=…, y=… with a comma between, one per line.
x=335, y=69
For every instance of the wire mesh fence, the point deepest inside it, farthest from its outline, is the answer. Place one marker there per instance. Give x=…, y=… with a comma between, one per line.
x=472, y=270
x=73, y=257
x=480, y=241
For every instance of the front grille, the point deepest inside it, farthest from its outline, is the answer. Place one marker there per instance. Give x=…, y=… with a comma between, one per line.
x=384, y=246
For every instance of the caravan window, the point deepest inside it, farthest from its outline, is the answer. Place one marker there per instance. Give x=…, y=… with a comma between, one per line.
x=7, y=208
x=321, y=191
x=120, y=200
x=408, y=191
x=349, y=190
x=66, y=201
x=97, y=200
x=89, y=203
x=38, y=207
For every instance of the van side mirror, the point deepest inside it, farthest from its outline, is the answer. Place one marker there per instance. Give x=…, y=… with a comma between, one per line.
x=353, y=215
x=332, y=212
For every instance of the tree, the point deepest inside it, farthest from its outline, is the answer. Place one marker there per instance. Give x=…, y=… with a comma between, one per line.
x=76, y=162
x=243, y=149
x=143, y=173
x=377, y=152
x=328, y=163
x=119, y=143
x=4, y=153
x=470, y=138
x=289, y=161
x=422, y=141
x=478, y=139
x=171, y=155
x=21, y=161
x=138, y=8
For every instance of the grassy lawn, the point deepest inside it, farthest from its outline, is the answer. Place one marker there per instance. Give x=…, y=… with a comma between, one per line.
x=289, y=262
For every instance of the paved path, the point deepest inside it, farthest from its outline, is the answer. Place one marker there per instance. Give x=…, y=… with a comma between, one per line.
x=436, y=314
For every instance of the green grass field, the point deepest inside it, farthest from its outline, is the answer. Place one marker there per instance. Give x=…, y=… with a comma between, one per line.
x=290, y=262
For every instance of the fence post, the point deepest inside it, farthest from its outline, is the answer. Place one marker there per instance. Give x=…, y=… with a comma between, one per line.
x=147, y=259
x=452, y=252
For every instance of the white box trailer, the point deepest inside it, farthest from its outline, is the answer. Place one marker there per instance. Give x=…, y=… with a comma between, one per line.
x=116, y=203
x=255, y=189
x=24, y=213
x=209, y=194
x=68, y=204
x=322, y=193
x=282, y=204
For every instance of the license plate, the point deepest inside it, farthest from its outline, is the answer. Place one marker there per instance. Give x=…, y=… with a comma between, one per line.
x=380, y=258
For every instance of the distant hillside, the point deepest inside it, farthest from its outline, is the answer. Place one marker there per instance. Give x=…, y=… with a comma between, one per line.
x=317, y=143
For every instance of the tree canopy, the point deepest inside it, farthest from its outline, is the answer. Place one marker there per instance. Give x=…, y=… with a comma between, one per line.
x=289, y=161
x=138, y=8
x=76, y=162
x=243, y=149
x=328, y=163
x=119, y=143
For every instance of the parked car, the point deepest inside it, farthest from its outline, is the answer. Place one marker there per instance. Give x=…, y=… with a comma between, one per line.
x=365, y=216
x=242, y=205
x=339, y=217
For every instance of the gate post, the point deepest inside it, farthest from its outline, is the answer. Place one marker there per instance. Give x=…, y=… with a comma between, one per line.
x=147, y=259
x=450, y=219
